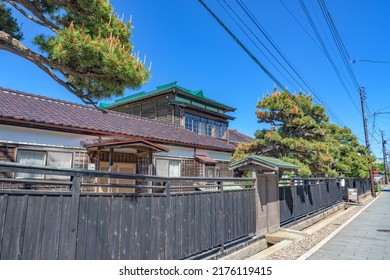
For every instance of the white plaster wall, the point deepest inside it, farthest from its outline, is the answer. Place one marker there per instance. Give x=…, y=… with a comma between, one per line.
x=15, y=134
x=189, y=153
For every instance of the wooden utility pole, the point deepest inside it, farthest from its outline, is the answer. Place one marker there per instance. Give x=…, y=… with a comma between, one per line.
x=362, y=97
x=384, y=157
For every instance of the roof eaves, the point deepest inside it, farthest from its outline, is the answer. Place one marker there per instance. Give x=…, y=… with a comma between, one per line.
x=269, y=162
x=201, y=97
x=189, y=105
x=197, y=94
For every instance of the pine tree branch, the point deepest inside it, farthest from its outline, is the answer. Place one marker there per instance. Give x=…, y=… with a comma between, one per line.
x=28, y=5
x=23, y=12
x=10, y=44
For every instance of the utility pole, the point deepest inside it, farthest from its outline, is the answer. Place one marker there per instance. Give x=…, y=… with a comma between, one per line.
x=362, y=97
x=384, y=157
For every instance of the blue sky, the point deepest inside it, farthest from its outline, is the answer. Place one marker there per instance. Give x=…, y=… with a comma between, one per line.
x=185, y=44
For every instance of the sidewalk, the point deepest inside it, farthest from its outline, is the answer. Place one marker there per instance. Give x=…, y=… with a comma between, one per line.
x=366, y=236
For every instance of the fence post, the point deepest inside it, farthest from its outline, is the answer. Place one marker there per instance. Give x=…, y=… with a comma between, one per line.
x=169, y=223
x=74, y=216
x=222, y=216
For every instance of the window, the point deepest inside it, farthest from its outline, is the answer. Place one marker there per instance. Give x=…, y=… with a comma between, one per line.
x=195, y=123
x=30, y=158
x=204, y=126
x=210, y=126
x=210, y=171
x=43, y=158
x=168, y=167
x=61, y=160
x=217, y=132
x=188, y=122
x=223, y=130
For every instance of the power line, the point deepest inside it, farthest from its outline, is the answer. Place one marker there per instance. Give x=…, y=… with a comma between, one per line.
x=283, y=56
x=327, y=54
x=254, y=43
x=339, y=42
x=254, y=58
x=275, y=46
x=369, y=60
x=301, y=25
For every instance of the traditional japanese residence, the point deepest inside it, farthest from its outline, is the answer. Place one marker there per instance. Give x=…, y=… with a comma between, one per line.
x=169, y=132
x=173, y=104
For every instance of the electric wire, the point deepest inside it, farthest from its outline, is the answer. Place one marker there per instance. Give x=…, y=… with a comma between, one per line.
x=327, y=54
x=255, y=59
x=283, y=56
x=277, y=48
x=254, y=43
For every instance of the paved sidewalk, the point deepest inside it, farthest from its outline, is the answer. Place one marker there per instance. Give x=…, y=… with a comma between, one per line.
x=365, y=237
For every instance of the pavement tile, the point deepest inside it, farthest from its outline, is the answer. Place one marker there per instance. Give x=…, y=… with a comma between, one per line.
x=360, y=240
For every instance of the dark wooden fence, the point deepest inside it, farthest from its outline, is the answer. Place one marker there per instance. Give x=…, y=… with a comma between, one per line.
x=362, y=186
x=300, y=198
x=168, y=223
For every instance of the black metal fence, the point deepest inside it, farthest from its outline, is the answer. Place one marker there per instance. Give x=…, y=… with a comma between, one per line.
x=162, y=223
x=300, y=198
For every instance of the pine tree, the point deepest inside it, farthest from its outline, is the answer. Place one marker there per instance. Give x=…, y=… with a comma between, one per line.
x=87, y=48
x=300, y=133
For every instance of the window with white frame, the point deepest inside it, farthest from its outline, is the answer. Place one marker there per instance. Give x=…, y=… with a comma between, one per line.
x=43, y=158
x=60, y=160
x=30, y=158
x=204, y=126
x=167, y=167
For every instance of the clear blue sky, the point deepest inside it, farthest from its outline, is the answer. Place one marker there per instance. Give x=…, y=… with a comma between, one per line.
x=185, y=44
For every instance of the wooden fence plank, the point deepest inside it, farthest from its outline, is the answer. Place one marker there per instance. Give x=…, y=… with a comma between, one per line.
x=145, y=228
x=91, y=228
x=163, y=227
x=126, y=228
x=51, y=228
x=115, y=227
x=82, y=228
x=3, y=212
x=103, y=235
x=34, y=227
x=14, y=228
x=65, y=229
x=191, y=224
x=135, y=240
x=155, y=227
x=198, y=222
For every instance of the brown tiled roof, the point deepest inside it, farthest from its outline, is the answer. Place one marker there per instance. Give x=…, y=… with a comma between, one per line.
x=236, y=137
x=205, y=159
x=41, y=111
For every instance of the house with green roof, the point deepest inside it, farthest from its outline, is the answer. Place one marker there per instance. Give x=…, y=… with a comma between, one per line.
x=173, y=104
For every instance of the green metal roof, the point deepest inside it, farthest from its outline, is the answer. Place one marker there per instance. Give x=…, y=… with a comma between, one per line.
x=196, y=94
x=265, y=161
